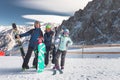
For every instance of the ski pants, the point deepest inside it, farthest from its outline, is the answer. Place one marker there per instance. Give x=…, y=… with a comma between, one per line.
x=63, y=54
x=27, y=57
x=50, y=51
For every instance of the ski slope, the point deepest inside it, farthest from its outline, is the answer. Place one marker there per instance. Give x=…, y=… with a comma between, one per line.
x=75, y=69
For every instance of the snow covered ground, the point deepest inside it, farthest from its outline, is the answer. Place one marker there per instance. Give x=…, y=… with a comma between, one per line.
x=75, y=69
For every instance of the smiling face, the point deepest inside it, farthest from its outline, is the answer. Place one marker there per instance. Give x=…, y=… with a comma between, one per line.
x=40, y=40
x=48, y=29
x=37, y=24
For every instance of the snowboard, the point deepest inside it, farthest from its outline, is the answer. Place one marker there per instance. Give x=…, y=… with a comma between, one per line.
x=41, y=57
x=16, y=32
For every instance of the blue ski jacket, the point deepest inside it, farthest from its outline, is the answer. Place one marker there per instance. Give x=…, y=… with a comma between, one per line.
x=35, y=34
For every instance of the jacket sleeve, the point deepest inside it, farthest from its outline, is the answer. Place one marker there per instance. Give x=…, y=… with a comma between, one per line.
x=45, y=37
x=27, y=33
x=52, y=33
x=70, y=42
x=41, y=33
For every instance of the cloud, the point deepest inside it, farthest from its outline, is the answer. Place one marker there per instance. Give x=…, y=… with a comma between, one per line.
x=63, y=6
x=46, y=18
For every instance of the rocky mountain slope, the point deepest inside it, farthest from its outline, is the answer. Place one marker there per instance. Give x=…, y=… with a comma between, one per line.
x=98, y=23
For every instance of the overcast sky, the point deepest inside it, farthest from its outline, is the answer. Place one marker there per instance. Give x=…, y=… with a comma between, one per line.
x=13, y=10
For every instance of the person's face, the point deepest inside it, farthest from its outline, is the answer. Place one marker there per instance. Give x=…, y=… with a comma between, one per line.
x=40, y=40
x=37, y=25
x=48, y=29
x=66, y=34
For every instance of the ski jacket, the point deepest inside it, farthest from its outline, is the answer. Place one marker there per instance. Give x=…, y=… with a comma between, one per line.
x=65, y=41
x=48, y=36
x=35, y=34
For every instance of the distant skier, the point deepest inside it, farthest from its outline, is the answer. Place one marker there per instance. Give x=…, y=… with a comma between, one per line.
x=33, y=44
x=65, y=41
x=48, y=40
x=16, y=32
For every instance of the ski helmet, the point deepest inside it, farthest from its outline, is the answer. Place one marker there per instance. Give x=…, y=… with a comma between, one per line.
x=66, y=31
x=48, y=27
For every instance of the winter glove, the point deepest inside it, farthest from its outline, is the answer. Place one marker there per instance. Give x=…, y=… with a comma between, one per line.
x=36, y=51
x=17, y=36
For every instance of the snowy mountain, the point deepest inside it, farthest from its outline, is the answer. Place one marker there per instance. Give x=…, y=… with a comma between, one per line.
x=7, y=41
x=98, y=22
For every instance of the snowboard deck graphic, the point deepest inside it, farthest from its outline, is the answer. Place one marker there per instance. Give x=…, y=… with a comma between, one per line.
x=41, y=52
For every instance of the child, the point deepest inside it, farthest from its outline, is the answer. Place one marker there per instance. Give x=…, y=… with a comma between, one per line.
x=65, y=41
x=48, y=37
